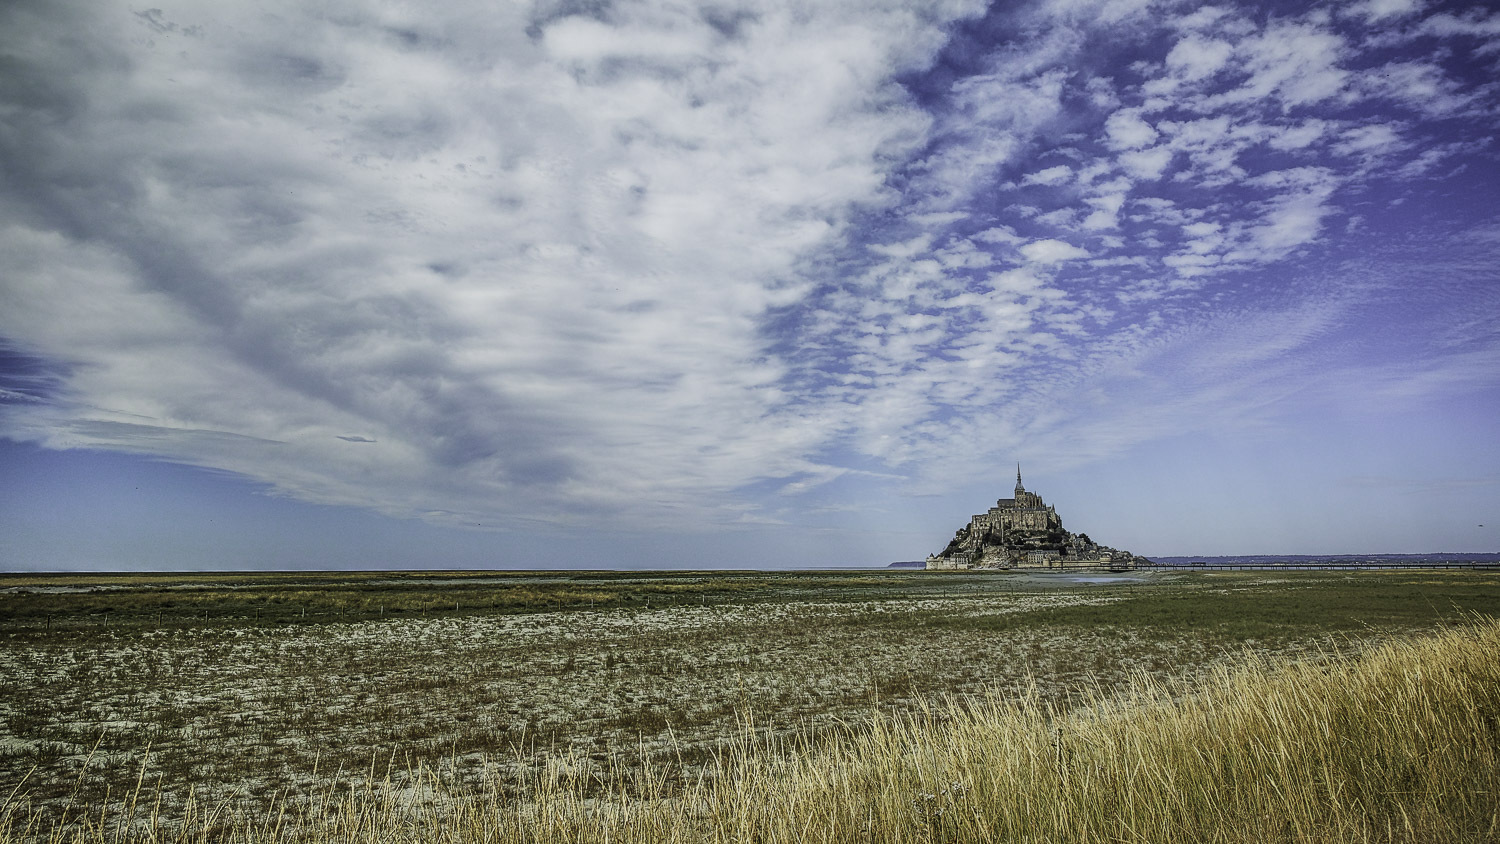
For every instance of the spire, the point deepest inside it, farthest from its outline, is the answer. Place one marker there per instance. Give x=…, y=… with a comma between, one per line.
x=1019, y=489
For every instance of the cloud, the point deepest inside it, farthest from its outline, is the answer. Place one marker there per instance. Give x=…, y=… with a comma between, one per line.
x=1291, y=217
x=7, y=395
x=1146, y=164
x=587, y=41
x=1055, y=175
x=1420, y=85
x=1126, y=130
x=1106, y=214
x=650, y=265
x=1474, y=24
x=1195, y=58
x=1299, y=136
x=992, y=114
x=1292, y=63
x=1375, y=10
x=1259, y=132
x=1051, y=251
x=999, y=235
x=534, y=270
x=1370, y=142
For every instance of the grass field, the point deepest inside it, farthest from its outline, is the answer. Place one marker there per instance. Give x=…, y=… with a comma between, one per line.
x=254, y=693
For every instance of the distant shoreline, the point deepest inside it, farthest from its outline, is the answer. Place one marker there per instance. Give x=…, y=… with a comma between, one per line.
x=1317, y=559
x=1433, y=560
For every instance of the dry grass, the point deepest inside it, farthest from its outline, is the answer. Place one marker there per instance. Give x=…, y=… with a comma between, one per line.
x=1399, y=743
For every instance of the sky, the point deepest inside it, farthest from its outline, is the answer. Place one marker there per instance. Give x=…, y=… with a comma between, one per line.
x=730, y=284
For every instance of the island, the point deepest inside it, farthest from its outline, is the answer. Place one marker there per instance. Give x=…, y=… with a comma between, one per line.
x=1025, y=532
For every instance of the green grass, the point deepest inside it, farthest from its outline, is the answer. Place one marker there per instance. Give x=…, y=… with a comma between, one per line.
x=1243, y=605
x=1310, y=601
x=277, y=598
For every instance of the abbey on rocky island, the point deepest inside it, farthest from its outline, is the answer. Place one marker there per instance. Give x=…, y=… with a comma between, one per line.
x=1025, y=532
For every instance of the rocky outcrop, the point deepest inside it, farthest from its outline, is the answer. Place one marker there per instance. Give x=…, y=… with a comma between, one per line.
x=1024, y=532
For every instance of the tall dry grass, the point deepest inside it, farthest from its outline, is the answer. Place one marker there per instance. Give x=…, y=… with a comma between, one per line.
x=1399, y=744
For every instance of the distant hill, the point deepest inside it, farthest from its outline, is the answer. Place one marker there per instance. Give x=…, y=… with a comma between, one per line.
x=908, y=564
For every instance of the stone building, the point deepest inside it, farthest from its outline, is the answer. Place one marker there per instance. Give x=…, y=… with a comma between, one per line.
x=1026, y=511
x=1024, y=532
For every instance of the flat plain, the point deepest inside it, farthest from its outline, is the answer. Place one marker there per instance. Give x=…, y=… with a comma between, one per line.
x=252, y=690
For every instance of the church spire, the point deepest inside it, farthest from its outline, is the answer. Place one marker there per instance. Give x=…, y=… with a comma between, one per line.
x=1019, y=489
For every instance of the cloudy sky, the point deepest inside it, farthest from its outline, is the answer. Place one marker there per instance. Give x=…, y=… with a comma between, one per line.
x=706, y=284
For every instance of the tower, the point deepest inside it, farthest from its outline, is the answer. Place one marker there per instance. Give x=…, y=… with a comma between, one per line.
x=1020, y=490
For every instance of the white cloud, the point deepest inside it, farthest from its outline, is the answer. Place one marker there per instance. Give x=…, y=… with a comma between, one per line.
x=938, y=219
x=1290, y=222
x=993, y=113
x=478, y=262
x=1298, y=136
x=1106, y=213
x=1292, y=217
x=1126, y=130
x=908, y=249
x=1370, y=142
x=1146, y=164
x=999, y=235
x=1194, y=58
x=1204, y=17
x=1050, y=176
x=532, y=272
x=588, y=41
x=1052, y=251
x=1296, y=63
x=1420, y=85
x=1061, y=218
x=1376, y=10
x=1429, y=158
x=1474, y=24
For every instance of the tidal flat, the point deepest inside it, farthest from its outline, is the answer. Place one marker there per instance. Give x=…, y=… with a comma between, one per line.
x=249, y=689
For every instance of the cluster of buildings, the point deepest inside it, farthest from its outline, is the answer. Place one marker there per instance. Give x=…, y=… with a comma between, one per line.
x=1024, y=532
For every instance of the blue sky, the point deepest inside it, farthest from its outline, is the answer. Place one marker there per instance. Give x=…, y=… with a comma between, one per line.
x=742, y=284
